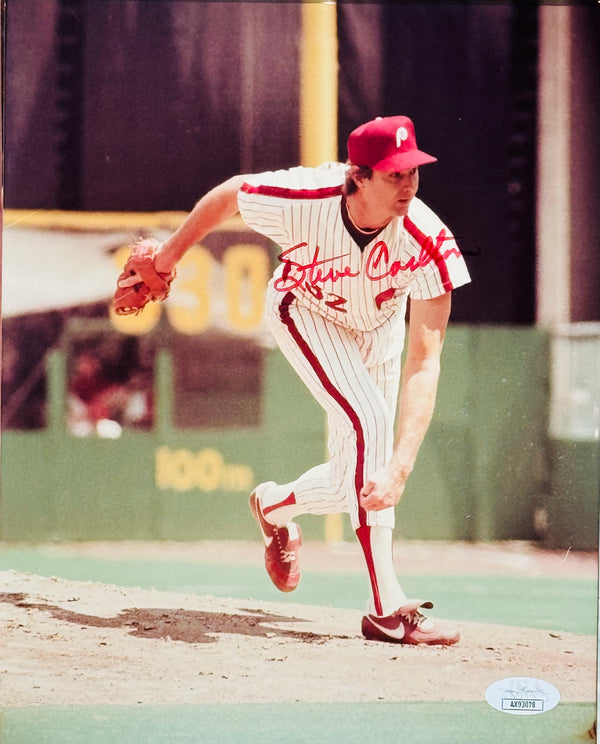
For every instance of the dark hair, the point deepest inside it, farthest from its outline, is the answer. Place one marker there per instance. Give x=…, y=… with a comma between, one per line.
x=356, y=172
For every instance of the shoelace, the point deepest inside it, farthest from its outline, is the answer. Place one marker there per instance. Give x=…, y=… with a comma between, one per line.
x=286, y=556
x=419, y=620
x=414, y=618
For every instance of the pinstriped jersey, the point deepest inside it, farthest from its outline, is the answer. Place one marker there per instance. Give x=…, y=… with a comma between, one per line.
x=300, y=209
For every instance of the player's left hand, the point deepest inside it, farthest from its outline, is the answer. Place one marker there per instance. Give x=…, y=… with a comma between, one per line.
x=382, y=490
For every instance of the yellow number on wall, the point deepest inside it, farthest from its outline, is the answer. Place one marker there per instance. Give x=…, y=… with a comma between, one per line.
x=246, y=275
x=189, y=307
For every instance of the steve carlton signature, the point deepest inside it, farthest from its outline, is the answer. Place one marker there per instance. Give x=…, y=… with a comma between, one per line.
x=378, y=265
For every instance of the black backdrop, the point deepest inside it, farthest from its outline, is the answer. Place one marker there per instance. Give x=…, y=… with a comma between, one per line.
x=138, y=105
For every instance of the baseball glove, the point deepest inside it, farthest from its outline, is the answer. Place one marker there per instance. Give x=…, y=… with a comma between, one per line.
x=139, y=283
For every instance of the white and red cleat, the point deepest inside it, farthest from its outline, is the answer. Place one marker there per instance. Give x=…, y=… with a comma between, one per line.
x=281, y=546
x=408, y=625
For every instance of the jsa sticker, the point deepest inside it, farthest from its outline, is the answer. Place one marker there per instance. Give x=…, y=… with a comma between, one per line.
x=522, y=696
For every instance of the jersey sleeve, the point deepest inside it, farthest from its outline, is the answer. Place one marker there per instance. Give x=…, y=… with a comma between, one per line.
x=261, y=208
x=442, y=267
x=265, y=199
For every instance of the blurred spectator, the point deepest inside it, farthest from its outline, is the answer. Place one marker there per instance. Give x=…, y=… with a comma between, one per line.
x=93, y=399
x=99, y=404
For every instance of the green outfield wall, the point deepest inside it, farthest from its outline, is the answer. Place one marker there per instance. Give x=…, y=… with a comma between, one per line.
x=487, y=469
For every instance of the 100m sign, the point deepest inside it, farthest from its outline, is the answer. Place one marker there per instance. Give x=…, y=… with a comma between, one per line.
x=206, y=292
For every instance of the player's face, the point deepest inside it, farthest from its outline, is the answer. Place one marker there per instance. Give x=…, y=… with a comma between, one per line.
x=393, y=191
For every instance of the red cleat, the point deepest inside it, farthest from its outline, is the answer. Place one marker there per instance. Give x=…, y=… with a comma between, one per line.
x=281, y=547
x=408, y=625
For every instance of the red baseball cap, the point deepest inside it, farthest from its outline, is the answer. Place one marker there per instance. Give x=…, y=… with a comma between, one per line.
x=387, y=144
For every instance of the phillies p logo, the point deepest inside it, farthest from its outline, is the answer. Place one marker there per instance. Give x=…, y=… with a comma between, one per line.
x=401, y=135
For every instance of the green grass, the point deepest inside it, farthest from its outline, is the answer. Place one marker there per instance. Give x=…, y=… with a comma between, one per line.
x=295, y=723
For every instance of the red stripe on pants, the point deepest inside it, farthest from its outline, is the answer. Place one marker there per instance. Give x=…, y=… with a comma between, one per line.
x=309, y=355
x=364, y=531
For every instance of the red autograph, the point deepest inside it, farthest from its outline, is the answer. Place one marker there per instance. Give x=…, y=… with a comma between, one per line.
x=378, y=264
x=430, y=251
x=294, y=274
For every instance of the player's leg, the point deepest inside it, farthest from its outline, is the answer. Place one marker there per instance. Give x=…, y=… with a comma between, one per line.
x=394, y=618
x=381, y=351
x=321, y=489
x=328, y=360
x=355, y=377
x=331, y=362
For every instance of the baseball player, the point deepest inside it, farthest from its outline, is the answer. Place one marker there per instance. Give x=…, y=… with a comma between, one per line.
x=356, y=244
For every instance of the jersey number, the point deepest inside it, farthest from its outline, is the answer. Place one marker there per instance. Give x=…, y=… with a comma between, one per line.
x=333, y=300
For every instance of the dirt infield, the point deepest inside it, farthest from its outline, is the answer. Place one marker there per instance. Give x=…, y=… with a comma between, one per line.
x=67, y=642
